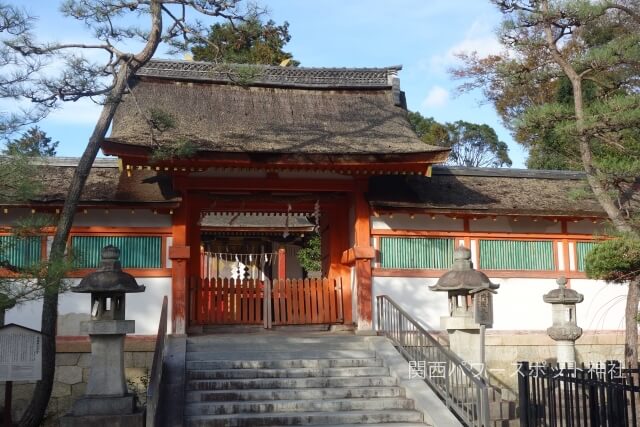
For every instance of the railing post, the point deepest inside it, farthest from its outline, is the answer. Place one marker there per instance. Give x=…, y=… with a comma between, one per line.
x=523, y=393
x=400, y=333
x=484, y=405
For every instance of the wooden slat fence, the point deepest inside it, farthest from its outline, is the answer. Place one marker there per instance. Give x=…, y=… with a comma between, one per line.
x=256, y=302
x=229, y=301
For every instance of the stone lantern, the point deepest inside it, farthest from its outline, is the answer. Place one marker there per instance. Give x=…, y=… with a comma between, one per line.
x=107, y=400
x=467, y=319
x=565, y=330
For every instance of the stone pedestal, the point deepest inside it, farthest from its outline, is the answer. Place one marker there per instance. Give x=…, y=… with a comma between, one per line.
x=106, y=376
x=464, y=337
x=566, y=352
x=107, y=401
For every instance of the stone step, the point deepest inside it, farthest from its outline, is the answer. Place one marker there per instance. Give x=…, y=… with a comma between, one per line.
x=370, y=425
x=504, y=423
x=288, y=383
x=284, y=346
x=310, y=405
x=213, y=374
x=267, y=340
x=292, y=394
x=305, y=418
x=279, y=355
x=283, y=364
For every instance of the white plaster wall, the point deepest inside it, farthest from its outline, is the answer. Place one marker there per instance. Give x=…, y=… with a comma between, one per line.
x=418, y=222
x=522, y=225
x=11, y=215
x=603, y=306
x=518, y=305
x=585, y=227
x=414, y=296
x=143, y=307
x=121, y=218
x=100, y=218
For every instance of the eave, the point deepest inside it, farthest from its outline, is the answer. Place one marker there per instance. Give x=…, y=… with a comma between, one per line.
x=387, y=207
x=351, y=163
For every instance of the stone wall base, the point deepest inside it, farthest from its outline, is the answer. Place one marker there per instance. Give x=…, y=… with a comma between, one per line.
x=72, y=372
x=506, y=348
x=131, y=420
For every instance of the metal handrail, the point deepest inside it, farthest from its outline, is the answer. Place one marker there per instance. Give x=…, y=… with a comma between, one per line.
x=462, y=388
x=155, y=378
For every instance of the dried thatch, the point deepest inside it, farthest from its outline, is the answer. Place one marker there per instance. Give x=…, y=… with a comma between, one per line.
x=105, y=185
x=487, y=191
x=230, y=118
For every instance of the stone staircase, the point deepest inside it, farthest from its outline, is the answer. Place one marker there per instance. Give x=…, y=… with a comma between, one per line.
x=277, y=380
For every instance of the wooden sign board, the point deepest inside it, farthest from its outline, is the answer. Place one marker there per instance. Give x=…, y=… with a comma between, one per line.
x=20, y=353
x=483, y=307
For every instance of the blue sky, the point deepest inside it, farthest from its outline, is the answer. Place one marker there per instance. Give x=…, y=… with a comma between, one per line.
x=421, y=35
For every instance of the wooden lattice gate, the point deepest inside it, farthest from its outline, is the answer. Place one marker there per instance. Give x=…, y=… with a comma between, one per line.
x=256, y=302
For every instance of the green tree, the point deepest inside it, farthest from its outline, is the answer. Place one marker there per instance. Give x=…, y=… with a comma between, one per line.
x=251, y=41
x=568, y=84
x=34, y=142
x=310, y=256
x=429, y=130
x=17, y=69
x=105, y=79
x=472, y=145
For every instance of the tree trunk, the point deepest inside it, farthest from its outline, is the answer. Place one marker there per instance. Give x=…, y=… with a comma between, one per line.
x=631, y=324
x=35, y=412
x=604, y=199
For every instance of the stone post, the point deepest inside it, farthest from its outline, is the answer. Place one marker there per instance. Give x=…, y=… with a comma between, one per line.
x=564, y=330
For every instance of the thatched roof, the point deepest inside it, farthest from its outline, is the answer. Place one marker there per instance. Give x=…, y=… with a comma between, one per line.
x=450, y=189
x=105, y=185
x=489, y=191
x=281, y=110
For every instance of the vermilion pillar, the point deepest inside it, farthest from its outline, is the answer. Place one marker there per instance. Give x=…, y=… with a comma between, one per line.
x=361, y=255
x=179, y=254
x=282, y=263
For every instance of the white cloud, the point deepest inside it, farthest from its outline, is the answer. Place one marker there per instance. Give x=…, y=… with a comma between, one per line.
x=437, y=97
x=478, y=38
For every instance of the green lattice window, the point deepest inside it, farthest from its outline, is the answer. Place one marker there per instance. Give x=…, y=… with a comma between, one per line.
x=19, y=252
x=135, y=251
x=516, y=255
x=582, y=249
x=416, y=252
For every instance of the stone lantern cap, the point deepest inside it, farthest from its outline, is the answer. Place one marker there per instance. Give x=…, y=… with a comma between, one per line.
x=463, y=276
x=562, y=295
x=109, y=278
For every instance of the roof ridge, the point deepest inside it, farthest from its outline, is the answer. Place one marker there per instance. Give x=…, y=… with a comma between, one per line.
x=271, y=75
